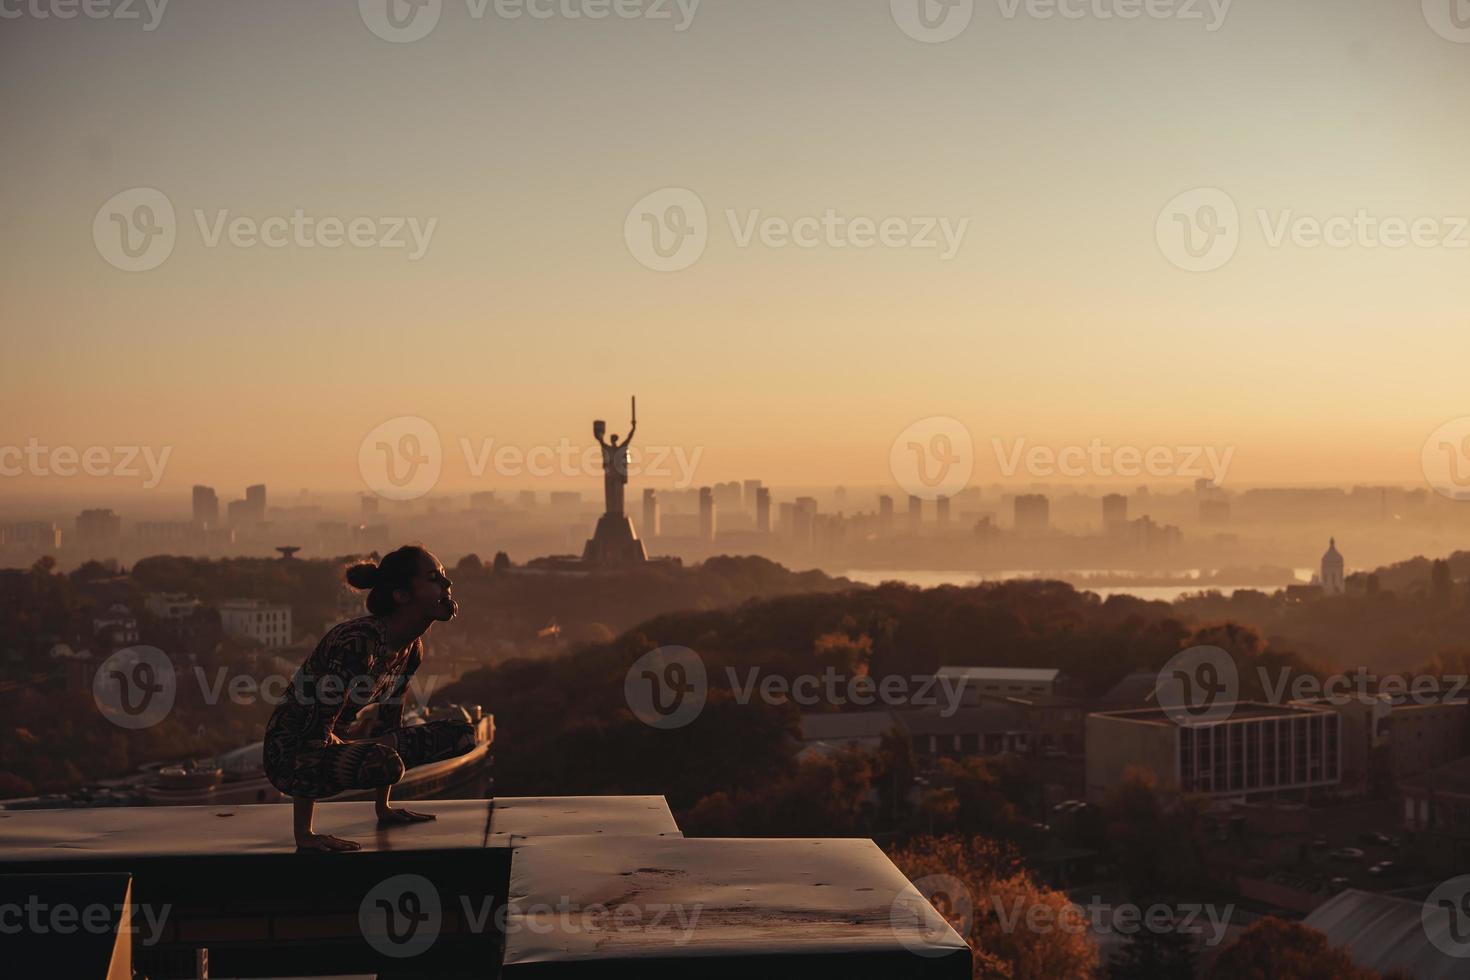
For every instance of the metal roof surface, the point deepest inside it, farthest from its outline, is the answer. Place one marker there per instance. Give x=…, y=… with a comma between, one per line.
x=721, y=907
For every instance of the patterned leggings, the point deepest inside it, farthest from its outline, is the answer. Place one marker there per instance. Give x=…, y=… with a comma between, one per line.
x=317, y=772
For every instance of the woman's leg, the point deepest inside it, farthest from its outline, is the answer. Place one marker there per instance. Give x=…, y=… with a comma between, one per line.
x=303, y=807
x=438, y=740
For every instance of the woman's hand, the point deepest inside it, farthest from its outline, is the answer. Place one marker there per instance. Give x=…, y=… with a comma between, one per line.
x=325, y=842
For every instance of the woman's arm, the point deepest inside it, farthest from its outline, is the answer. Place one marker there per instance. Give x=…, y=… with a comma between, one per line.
x=344, y=668
x=390, y=709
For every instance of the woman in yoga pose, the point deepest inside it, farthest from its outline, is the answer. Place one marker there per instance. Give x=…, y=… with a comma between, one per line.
x=361, y=662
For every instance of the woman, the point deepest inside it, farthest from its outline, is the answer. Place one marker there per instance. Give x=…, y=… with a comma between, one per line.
x=361, y=662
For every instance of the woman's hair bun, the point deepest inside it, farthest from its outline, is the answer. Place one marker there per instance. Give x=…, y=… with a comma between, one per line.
x=363, y=575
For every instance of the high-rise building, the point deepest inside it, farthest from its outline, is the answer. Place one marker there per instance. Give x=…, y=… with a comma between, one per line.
x=98, y=527
x=650, y=513
x=916, y=513
x=1114, y=511
x=803, y=521
x=885, y=514
x=752, y=494
x=787, y=512
x=255, y=497
x=706, y=514
x=206, y=507
x=763, y=509
x=728, y=497
x=370, y=505
x=941, y=511
x=480, y=500
x=1032, y=512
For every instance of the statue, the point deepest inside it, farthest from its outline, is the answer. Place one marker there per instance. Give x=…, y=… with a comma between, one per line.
x=614, y=543
x=615, y=462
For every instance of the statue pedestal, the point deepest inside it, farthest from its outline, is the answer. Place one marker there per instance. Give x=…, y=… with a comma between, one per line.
x=614, y=543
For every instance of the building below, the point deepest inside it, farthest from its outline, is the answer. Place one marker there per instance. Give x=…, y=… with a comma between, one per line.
x=1257, y=748
x=502, y=888
x=252, y=619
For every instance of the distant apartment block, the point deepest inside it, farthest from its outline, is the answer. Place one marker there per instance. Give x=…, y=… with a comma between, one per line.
x=1386, y=740
x=98, y=526
x=1114, y=512
x=38, y=535
x=706, y=514
x=751, y=493
x=976, y=682
x=1032, y=512
x=1259, y=748
x=763, y=510
x=267, y=624
x=206, y=507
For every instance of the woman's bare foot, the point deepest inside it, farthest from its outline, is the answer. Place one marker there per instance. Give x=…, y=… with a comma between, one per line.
x=326, y=842
x=392, y=817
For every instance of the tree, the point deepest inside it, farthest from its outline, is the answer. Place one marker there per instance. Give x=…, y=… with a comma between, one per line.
x=1154, y=955
x=1156, y=847
x=1016, y=928
x=1274, y=949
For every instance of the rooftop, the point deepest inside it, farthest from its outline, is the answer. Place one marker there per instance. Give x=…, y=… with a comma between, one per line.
x=1013, y=675
x=1239, y=711
x=512, y=887
x=1384, y=933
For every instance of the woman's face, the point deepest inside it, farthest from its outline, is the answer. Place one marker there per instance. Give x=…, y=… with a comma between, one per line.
x=431, y=596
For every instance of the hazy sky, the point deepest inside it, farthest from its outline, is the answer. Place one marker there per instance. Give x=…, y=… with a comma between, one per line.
x=1058, y=318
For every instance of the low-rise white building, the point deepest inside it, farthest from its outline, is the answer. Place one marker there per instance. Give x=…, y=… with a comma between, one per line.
x=269, y=625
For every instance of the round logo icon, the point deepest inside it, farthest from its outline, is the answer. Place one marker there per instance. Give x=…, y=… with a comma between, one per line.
x=1199, y=231
x=668, y=230
x=401, y=21
x=402, y=916
x=666, y=688
x=1450, y=19
x=1198, y=685
x=135, y=230
x=933, y=458
x=135, y=687
x=401, y=459
x=932, y=21
x=1446, y=459
x=1446, y=917
x=912, y=920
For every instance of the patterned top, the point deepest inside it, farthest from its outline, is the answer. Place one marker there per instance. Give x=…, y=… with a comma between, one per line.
x=350, y=668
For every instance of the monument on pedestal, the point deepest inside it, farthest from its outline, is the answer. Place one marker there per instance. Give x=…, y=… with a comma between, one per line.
x=614, y=542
